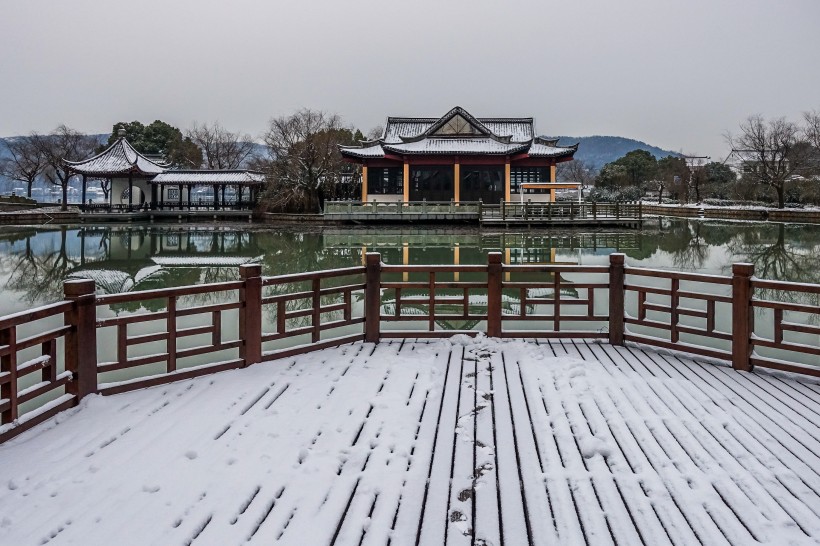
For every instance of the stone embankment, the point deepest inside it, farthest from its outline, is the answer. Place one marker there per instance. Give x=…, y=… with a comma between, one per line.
x=808, y=216
x=40, y=215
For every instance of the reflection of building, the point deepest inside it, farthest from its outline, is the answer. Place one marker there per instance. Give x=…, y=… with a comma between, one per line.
x=134, y=258
x=461, y=158
x=139, y=183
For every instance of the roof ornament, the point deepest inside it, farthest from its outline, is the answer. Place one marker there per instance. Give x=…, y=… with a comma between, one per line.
x=121, y=132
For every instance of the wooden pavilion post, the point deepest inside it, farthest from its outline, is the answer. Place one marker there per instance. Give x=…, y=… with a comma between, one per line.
x=250, y=314
x=372, y=297
x=82, y=205
x=216, y=197
x=406, y=181
x=494, y=288
x=616, y=298
x=81, y=340
x=130, y=189
x=364, y=183
x=507, y=181
x=180, y=196
x=742, y=316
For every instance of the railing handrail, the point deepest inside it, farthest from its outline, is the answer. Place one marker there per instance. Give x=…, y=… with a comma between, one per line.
x=501, y=301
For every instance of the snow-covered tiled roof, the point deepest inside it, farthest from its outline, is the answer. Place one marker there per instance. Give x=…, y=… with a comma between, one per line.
x=363, y=152
x=119, y=158
x=481, y=145
x=398, y=128
x=520, y=129
x=543, y=150
x=209, y=177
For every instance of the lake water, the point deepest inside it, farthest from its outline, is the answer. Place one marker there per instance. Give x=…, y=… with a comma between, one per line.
x=34, y=261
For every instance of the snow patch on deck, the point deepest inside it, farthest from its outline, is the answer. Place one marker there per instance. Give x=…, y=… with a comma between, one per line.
x=471, y=439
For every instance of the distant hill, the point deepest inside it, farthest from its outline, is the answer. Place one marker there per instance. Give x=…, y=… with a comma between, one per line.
x=597, y=151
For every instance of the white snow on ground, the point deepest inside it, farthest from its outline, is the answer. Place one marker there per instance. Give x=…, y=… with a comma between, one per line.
x=574, y=442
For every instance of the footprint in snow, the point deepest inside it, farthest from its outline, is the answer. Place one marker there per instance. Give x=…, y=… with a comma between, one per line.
x=150, y=488
x=191, y=454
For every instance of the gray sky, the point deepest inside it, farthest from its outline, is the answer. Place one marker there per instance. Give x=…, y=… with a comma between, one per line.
x=676, y=74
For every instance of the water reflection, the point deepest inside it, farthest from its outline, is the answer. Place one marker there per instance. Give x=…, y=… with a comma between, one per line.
x=35, y=261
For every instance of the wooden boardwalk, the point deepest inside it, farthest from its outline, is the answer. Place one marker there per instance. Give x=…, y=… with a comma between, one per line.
x=410, y=442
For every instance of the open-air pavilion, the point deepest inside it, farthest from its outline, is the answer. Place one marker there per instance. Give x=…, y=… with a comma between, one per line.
x=139, y=184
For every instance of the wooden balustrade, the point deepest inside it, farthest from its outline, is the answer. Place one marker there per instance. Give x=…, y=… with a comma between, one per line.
x=708, y=315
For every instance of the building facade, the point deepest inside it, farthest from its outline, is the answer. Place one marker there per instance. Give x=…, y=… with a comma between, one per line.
x=459, y=158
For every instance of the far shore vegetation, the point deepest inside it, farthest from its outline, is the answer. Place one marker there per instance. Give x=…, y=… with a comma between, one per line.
x=773, y=162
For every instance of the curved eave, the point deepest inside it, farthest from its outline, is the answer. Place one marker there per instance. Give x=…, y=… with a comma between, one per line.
x=124, y=149
x=361, y=153
x=557, y=152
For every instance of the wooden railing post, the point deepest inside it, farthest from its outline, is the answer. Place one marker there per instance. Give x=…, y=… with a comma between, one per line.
x=494, y=278
x=616, y=299
x=372, y=297
x=742, y=316
x=250, y=314
x=81, y=340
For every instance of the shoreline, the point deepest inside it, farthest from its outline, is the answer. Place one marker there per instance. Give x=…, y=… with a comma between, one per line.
x=48, y=215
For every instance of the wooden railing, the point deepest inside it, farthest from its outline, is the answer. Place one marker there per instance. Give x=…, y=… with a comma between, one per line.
x=80, y=345
x=402, y=208
x=562, y=210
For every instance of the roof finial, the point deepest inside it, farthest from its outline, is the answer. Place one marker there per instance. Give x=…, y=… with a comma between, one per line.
x=121, y=132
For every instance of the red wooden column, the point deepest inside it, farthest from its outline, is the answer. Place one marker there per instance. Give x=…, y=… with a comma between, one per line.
x=250, y=314
x=742, y=316
x=494, y=287
x=372, y=297
x=81, y=340
x=616, y=299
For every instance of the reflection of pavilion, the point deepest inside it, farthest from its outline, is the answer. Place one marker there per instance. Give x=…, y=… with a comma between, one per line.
x=413, y=304
x=140, y=258
x=427, y=248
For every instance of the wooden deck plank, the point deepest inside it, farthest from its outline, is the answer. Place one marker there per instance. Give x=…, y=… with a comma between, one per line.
x=460, y=507
x=515, y=521
x=554, y=441
x=488, y=525
x=432, y=526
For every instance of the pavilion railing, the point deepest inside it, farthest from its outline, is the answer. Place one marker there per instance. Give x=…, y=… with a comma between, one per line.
x=120, y=342
x=532, y=211
x=402, y=208
x=561, y=211
x=169, y=206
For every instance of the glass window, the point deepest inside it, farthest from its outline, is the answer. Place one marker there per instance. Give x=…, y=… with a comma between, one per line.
x=385, y=181
x=484, y=183
x=528, y=175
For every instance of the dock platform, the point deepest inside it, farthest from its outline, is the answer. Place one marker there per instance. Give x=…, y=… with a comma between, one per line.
x=458, y=441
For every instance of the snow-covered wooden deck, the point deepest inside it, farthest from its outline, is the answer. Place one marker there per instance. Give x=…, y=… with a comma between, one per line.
x=460, y=441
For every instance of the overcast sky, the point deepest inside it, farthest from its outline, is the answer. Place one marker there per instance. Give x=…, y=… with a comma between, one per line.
x=676, y=74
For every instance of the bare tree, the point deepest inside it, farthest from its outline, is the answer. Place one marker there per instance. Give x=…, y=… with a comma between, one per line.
x=375, y=133
x=576, y=170
x=773, y=152
x=812, y=128
x=304, y=160
x=63, y=143
x=25, y=162
x=221, y=149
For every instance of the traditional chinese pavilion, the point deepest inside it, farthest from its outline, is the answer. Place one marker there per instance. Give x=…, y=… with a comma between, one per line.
x=461, y=158
x=138, y=182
